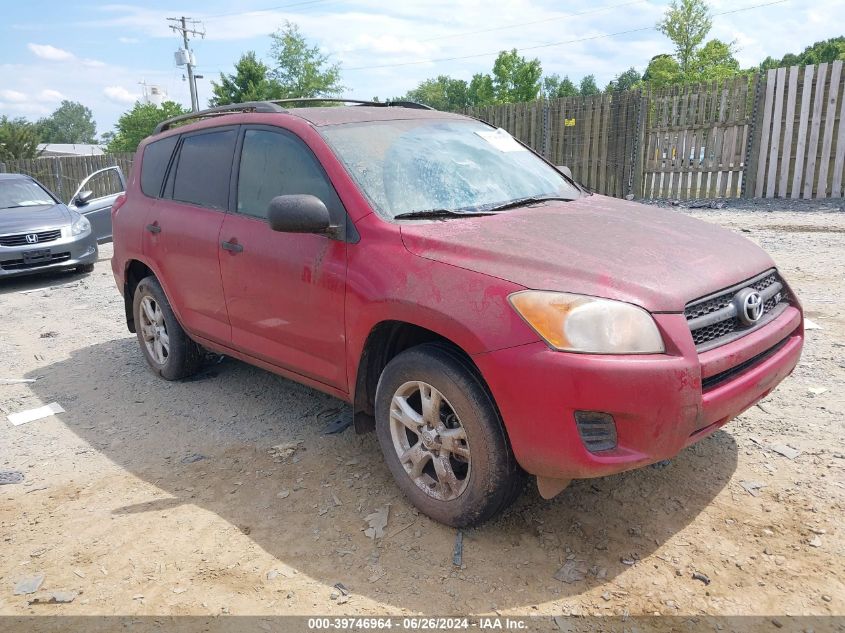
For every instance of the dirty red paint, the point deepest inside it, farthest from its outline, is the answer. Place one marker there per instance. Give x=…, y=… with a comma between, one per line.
x=303, y=305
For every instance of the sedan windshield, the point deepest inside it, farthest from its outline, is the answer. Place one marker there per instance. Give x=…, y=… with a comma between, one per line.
x=408, y=167
x=22, y=193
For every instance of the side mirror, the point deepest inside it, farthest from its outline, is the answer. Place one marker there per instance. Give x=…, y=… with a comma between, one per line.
x=565, y=171
x=299, y=213
x=83, y=198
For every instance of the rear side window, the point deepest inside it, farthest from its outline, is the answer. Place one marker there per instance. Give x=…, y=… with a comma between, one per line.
x=154, y=165
x=204, y=168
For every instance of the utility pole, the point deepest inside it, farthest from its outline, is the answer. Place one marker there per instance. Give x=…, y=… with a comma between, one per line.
x=182, y=27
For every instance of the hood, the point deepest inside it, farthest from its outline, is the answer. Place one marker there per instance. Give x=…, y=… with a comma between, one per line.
x=34, y=218
x=598, y=246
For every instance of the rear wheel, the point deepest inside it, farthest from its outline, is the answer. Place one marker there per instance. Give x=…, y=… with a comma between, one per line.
x=442, y=437
x=169, y=351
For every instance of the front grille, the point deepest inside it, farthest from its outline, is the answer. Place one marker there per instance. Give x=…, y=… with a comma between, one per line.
x=714, y=320
x=19, y=264
x=20, y=239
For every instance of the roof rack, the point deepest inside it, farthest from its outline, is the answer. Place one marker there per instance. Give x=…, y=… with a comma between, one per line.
x=249, y=106
x=275, y=106
x=382, y=104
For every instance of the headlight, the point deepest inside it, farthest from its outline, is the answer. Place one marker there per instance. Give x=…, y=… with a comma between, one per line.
x=80, y=226
x=578, y=323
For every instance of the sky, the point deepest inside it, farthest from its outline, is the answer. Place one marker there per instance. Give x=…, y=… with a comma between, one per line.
x=97, y=53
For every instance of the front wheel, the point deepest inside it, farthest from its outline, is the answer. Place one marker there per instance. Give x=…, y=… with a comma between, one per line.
x=442, y=437
x=169, y=351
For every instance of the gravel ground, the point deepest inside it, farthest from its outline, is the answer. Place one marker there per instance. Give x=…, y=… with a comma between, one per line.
x=148, y=497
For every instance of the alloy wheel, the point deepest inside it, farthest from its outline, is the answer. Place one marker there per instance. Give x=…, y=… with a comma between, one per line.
x=429, y=440
x=154, y=330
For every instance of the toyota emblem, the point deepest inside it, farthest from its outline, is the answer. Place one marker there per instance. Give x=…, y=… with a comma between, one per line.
x=32, y=238
x=749, y=306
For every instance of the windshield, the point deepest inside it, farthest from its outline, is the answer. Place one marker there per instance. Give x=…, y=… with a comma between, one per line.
x=417, y=165
x=22, y=193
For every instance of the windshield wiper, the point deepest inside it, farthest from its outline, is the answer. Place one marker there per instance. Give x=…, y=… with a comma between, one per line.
x=521, y=202
x=437, y=213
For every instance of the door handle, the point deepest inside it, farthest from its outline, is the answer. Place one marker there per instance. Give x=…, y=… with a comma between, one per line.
x=154, y=228
x=232, y=247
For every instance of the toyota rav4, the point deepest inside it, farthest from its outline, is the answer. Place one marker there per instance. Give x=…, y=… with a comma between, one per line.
x=484, y=314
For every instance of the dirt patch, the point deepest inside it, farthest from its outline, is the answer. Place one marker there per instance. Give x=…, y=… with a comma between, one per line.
x=147, y=497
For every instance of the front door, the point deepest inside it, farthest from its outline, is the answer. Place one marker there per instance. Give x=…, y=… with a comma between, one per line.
x=284, y=291
x=94, y=198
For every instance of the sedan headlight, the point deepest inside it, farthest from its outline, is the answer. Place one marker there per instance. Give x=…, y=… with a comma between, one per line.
x=579, y=323
x=80, y=226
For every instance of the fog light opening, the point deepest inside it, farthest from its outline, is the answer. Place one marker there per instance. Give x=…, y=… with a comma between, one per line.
x=597, y=430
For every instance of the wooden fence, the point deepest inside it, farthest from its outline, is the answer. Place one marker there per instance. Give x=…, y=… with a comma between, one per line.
x=778, y=134
x=800, y=148
x=63, y=174
x=696, y=138
x=593, y=136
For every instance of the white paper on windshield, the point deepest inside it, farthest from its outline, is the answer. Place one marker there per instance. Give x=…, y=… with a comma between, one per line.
x=501, y=140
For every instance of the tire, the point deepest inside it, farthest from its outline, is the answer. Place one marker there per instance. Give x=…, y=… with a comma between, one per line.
x=182, y=356
x=489, y=481
x=85, y=268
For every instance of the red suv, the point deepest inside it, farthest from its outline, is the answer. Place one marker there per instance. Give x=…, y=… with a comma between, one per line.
x=484, y=313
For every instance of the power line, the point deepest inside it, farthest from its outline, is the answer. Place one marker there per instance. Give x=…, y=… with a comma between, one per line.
x=550, y=44
x=512, y=26
x=265, y=10
x=546, y=21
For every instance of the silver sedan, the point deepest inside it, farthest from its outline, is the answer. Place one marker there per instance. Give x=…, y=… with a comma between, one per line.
x=38, y=233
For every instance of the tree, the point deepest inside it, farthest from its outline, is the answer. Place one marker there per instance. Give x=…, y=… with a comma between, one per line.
x=516, y=79
x=588, y=86
x=554, y=87
x=71, y=122
x=480, y=91
x=686, y=23
x=825, y=51
x=715, y=61
x=663, y=70
x=18, y=139
x=301, y=70
x=139, y=122
x=628, y=80
x=441, y=93
x=250, y=82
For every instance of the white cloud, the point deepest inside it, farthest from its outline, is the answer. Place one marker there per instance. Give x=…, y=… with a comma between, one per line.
x=128, y=40
x=50, y=53
x=53, y=54
x=119, y=94
x=50, y=95
x=12, y=95
x=391, y=44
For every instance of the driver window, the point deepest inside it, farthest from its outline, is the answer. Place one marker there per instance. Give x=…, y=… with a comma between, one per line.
x=276, y=164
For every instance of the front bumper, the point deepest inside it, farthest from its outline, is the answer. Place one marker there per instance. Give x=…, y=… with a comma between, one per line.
x=657, y=401
x=65, y=252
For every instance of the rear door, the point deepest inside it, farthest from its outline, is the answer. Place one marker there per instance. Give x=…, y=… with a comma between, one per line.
x=183, y=229
x=94, y=198
x=284, y=291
